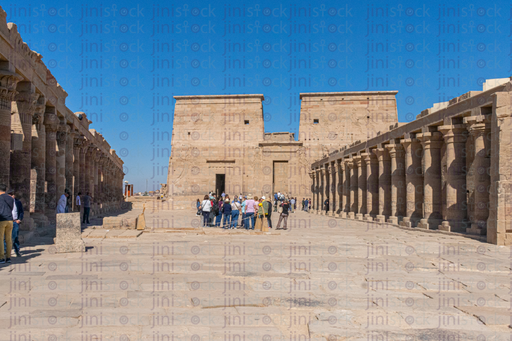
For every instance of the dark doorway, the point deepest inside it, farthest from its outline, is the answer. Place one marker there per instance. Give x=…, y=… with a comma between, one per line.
x=220, y=182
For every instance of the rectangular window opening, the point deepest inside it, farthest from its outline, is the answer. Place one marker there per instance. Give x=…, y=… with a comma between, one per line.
x=246, y=122
x=315, y=121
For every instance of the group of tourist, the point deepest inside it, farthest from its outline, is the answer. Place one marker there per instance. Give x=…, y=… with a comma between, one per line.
x=254, y=212
x=64, y=204
x=11, y=215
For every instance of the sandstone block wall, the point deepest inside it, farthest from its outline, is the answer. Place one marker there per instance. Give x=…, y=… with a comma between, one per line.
x=221, y=139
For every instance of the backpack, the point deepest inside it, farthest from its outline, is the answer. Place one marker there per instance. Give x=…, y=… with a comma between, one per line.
x=215, y=206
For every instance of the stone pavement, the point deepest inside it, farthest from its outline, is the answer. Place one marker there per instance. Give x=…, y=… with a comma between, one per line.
x=324, y=279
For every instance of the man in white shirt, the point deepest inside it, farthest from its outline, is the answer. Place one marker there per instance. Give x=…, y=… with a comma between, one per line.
x=61, y=205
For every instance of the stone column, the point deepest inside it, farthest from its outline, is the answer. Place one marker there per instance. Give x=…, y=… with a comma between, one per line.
x=346, y=188
x=83, y=151
x=51, y=123
x=96, y=185
x=313, y=190
x=38, y=166
x=321, y=200
x=397, y=182
x=455, y=213
x=413, y=181
x=369, y=186
x=62, y=136
x=384, y=184
x=70, y=143
x=479, y=128
x=339, y=188
x=317, y=191
x=361, y=187
x=8, y=81
x=432, y=198
x=353, y=188
x=77, y=140
x=21, y=160
x=332, y=189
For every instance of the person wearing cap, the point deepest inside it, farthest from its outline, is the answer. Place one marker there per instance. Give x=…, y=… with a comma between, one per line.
x=6, y=222
x=284, y=215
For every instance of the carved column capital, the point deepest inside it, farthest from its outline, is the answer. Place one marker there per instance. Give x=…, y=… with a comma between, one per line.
x=51, y=121
x=431, y=139
x=8, y=82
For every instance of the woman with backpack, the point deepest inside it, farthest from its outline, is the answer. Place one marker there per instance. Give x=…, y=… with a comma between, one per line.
x=205, y=208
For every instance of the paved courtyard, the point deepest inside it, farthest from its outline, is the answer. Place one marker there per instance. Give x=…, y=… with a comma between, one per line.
x=323, y=279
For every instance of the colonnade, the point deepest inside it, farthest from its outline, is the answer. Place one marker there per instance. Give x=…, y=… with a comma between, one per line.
x=45, y=148
x=430, y=176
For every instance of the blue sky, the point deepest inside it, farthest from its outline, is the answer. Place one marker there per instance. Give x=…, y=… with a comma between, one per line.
x=122, y=63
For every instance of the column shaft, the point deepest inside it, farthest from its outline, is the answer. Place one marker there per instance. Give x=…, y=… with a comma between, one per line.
x=479, y=175
x=361, y=187
x=432, y=198
x=24, y=106
x=455, y=212
x=38, y=167
x=51, y=123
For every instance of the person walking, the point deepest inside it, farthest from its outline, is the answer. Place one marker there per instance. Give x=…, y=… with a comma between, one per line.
x=6, y=222
x=306, y=205
x=62, y=203
x=249, y=213
x=17, y=217
x=235, y=212
x=326, y=205
x=226, y=214
x=292, y=204
x=283, y=216
x=87, y=208
x=206, y=207
x=198, y=205
x=268, y=212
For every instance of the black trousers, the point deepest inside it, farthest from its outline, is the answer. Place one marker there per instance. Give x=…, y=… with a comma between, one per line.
x=86, y=215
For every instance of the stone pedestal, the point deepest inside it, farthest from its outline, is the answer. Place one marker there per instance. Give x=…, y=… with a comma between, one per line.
x=359, y=216
x=368, y=217
x=69, y=233
x=393, y=220
x=351, y=215
x=380, y=219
